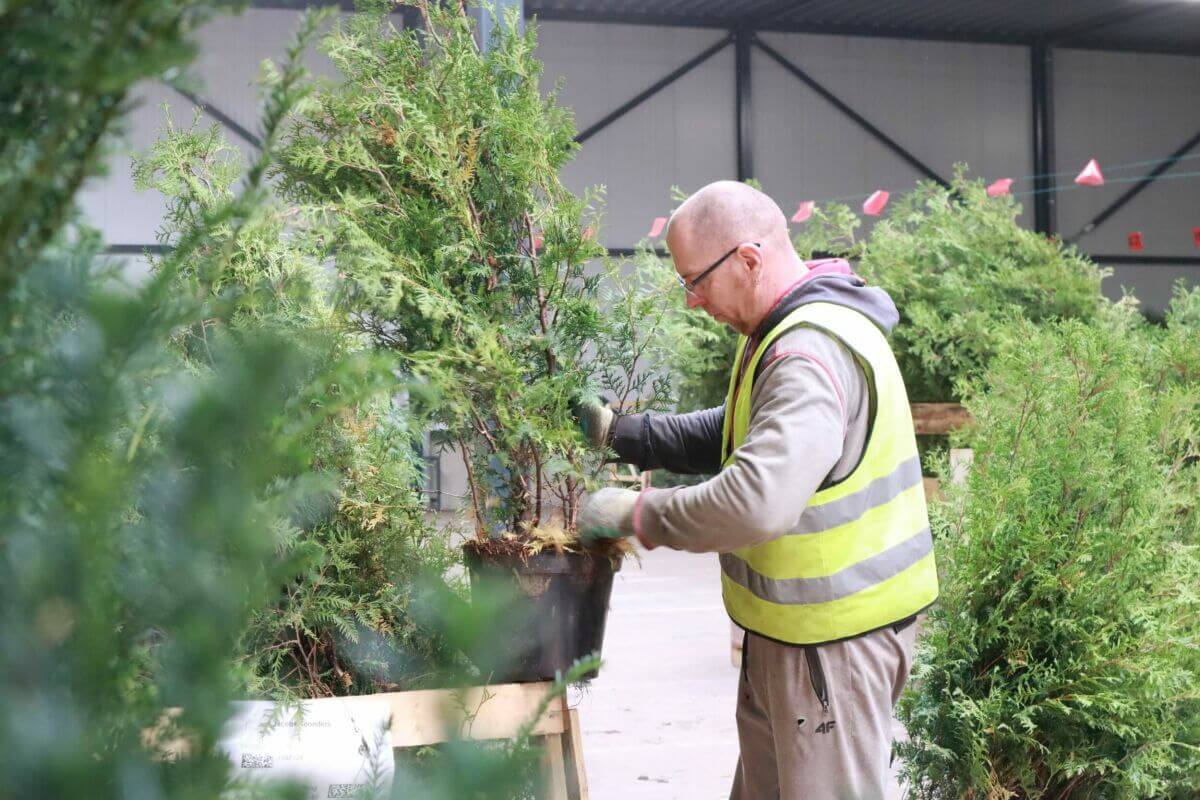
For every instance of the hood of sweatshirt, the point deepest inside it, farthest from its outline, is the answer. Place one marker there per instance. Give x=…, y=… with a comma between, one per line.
x=832, y=281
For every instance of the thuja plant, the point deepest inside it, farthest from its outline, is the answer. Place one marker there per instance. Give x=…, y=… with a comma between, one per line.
x=136, y=516
x=958, y=266
x=1173, y=373
x=1061, y=656
x=344, y=626
x=434, y=166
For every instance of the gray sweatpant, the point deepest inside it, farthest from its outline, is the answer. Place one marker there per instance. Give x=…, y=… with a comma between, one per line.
x=816, y=722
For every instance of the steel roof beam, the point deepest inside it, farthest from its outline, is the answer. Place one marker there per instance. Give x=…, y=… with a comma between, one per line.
x=771, y=26
x=1147, y=261
x=1107, y=20
x=1041, y=78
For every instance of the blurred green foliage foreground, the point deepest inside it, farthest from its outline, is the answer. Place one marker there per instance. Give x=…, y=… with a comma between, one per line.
x=146, y=491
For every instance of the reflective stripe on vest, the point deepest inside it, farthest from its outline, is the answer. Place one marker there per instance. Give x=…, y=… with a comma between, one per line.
x=860, y=555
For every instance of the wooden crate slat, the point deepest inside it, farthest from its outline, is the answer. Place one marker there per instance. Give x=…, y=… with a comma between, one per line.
x=479, y=713
x=939, y=418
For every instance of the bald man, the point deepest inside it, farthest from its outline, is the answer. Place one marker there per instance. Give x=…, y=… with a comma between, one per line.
x=816, y=505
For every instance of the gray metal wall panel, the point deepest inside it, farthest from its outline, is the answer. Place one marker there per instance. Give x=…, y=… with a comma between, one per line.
x=944, y=103
x=682, y=136
x=110, y=203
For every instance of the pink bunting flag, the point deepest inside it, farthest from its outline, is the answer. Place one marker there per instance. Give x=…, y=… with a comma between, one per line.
x=1135, y=242
x=537, y=242
x=875, y=203
x=588, y=232
x=656, y=228
x=1091, y=175
x=1196, y=236
x=804, y=211
x=999, y=187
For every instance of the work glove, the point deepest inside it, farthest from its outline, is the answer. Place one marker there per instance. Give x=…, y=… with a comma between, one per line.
x=608, y=514
x=595, y=420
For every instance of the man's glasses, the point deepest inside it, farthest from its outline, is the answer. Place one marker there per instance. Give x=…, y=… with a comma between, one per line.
x=690, y=286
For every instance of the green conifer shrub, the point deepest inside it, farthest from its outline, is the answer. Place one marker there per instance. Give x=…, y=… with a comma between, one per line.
x=139, y=504
x=704, y=349
x=434, y=166
x=1060, y=657
x=344, y=627
x=156, y=446
x=1173, y=374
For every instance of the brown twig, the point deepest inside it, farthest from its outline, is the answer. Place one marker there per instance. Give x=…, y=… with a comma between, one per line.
x=551, y=361
x=473, y=487
x=537, y=473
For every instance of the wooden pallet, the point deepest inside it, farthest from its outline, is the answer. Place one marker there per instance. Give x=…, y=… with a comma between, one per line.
x=434, y=716
x=484, y=713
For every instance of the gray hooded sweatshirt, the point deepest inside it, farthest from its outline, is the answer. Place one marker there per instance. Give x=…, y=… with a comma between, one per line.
x=811, y=411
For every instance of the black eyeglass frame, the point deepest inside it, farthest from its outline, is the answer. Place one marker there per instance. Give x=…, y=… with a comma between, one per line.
x=689, y=286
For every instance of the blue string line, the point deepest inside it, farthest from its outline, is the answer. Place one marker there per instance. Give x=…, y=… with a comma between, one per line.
x=1072, y=187
x=1107, y=181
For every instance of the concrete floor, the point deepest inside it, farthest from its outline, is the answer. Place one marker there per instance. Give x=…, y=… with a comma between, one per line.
x=658, y=722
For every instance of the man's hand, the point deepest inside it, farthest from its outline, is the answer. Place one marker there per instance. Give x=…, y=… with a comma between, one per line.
x=595, y=421
x=608, y=514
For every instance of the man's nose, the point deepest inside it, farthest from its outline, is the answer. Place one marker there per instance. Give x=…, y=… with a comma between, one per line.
x=692, y=300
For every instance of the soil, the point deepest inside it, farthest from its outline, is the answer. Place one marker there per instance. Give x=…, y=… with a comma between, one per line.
x=513, y=549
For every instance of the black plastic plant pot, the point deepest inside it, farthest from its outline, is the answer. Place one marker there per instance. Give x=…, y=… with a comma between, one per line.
x=561, y=601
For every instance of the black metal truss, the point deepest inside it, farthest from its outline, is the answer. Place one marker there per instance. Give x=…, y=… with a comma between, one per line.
x=654, y=89
x=220, y=116
x=743, y=35
x=743, y=107
x=859, y=119
x=1146, y=261
x=1041, y=79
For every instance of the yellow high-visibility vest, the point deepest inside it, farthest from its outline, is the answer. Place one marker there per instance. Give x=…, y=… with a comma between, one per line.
x=860, y=556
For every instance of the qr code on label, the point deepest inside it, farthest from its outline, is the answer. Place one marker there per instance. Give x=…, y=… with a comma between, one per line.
x=343, y=790
x=256, y=761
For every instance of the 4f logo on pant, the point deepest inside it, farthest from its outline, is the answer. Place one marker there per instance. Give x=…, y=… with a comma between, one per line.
x=824, y=727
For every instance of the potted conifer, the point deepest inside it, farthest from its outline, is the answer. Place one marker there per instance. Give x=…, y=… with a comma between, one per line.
x=434, y=163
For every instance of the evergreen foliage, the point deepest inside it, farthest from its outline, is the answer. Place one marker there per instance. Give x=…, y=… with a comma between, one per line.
x=158, y=439
x=139, y=506
x=1173, y=375
x=1060, y=659
x=433, y=165
x=344, y=626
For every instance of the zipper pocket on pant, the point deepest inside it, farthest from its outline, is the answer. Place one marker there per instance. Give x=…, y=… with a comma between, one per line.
x=816, y=674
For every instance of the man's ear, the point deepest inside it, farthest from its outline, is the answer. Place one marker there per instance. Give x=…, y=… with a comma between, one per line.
x=752, y=255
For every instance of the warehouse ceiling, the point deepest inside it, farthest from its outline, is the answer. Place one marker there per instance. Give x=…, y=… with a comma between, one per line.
x=1158, y=26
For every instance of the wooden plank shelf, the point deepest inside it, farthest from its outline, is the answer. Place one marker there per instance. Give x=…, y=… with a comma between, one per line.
x=937, y=419
x=481, y=713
